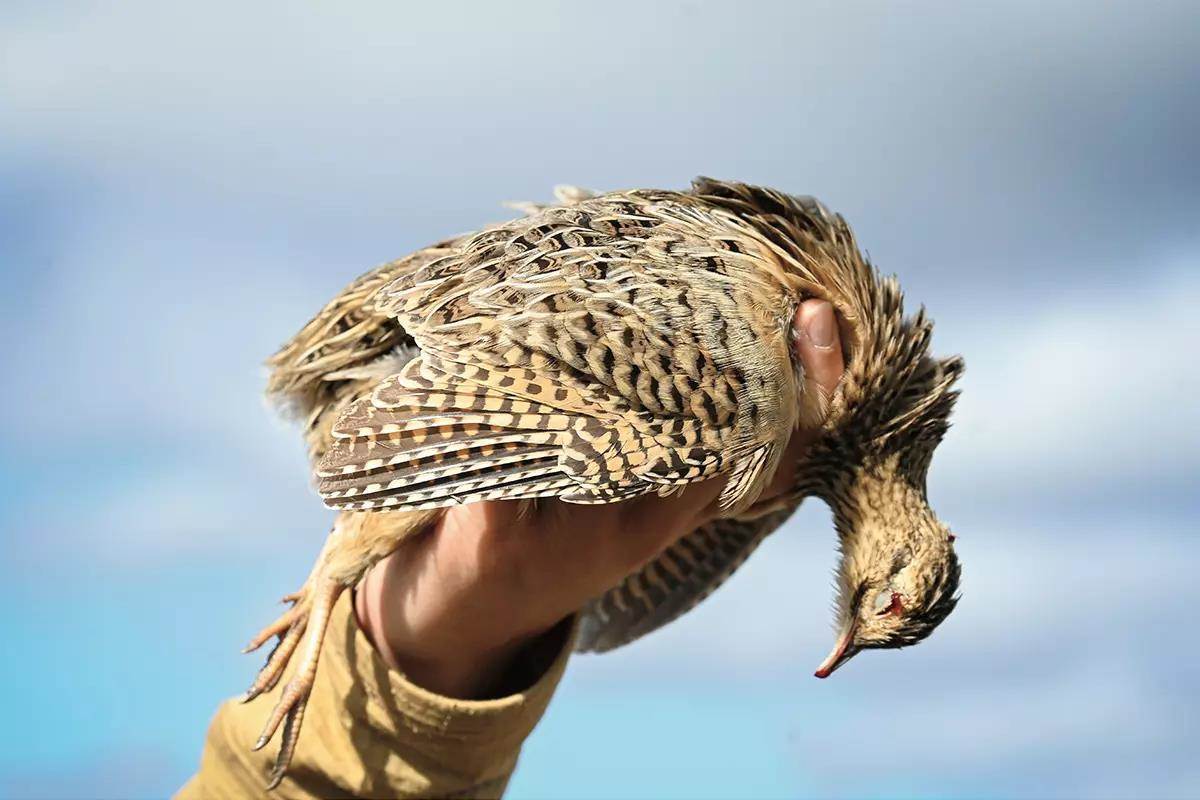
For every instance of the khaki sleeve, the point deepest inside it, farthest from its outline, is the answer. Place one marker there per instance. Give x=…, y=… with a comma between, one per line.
x=368, y=732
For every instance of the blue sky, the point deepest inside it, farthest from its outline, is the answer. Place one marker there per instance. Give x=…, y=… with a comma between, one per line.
x=182, y=187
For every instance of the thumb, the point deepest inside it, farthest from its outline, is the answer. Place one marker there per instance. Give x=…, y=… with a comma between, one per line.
x=819, y=347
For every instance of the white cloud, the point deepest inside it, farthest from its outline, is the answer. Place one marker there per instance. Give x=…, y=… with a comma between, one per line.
x=1091, y=728
x=1091, y=390
x=289, y=102
x=1066, y=705
x=155, y=517
x=146, y=328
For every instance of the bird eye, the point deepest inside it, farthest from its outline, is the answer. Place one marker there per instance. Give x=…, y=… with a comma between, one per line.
x=882, y=601
x=889, y=602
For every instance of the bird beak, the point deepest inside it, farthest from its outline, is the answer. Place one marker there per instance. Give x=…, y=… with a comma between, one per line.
x=842, y=652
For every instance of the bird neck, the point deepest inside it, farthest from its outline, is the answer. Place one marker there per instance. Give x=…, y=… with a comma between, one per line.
x=879, y=505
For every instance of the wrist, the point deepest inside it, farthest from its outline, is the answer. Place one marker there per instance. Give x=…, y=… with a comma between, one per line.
x=467, y=674
x=436, y=649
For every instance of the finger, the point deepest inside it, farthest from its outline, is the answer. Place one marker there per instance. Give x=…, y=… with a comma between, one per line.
x=819, y=346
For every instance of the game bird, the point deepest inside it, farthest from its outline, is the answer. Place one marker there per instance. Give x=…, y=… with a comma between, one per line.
x=616, y=345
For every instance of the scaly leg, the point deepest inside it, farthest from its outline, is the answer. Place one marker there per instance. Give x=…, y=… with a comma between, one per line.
x=289, y=627
x=292, y=702
x=306, y=619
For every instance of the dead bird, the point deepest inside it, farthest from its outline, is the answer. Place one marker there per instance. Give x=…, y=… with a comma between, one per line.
x=611, y=346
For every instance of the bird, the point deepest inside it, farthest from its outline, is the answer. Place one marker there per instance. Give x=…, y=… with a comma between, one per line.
x=608, y=346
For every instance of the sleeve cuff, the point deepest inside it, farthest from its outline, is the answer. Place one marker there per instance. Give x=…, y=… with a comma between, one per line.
x=369, y=732
x=479, y=737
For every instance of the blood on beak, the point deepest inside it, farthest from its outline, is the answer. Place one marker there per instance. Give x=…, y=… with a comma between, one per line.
x=842, y=652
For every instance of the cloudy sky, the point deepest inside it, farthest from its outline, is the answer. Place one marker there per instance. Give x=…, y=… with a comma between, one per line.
x=182, y=186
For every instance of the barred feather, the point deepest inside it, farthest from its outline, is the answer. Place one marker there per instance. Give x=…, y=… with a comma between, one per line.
x=673, y=583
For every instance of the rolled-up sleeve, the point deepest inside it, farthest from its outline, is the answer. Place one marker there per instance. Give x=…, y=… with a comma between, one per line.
x=368, y=732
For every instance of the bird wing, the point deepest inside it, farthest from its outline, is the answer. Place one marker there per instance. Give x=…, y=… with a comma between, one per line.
x=673, y=583
x=618, y=346
x=342, y=351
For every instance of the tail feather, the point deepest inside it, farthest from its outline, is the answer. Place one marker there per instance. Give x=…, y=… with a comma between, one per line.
x=363, y=419
x=462, y=467
x=427, y=438
x=449, y=442
x=543, y=481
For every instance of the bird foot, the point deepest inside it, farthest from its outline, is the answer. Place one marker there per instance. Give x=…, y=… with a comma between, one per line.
x=307, y=619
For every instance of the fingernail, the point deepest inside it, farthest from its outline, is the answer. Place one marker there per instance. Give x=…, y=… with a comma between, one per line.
x=819, y=327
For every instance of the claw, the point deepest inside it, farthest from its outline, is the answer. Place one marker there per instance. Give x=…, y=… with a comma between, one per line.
x=295, y=692
x=291, y=734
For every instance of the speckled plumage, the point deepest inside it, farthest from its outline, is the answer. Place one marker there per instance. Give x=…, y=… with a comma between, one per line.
x=608, y=347
x=623, y=345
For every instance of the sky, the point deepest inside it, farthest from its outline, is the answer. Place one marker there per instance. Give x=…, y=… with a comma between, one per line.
x=183, y=185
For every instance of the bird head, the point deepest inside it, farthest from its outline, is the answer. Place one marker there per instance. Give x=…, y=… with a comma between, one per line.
x=898, y=575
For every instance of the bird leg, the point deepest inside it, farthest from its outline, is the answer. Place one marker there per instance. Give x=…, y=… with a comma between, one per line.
x=356, y=542
x=307, y=619
x=289, y=710
x=289, y=627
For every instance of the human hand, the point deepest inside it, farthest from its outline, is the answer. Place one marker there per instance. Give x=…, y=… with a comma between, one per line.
x=454, y=607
